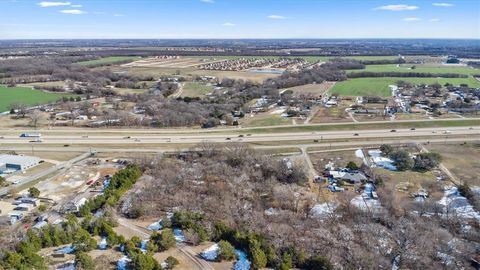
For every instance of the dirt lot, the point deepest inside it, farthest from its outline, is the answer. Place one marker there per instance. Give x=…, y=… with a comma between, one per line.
x=333, y=114
x=370, y=117
x=462, y=160
x=313, y=89
x=54, y=156
x=338, y=158
x=408, y=182
x=410, y=116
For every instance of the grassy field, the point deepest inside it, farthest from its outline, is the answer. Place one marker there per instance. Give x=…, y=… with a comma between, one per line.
x=265, y=120
x=419, y=68
x=193, y=89
x=313, y=89
x=9, y=95
x=379, y=86
x=108, y=60
x=44, y=84
x=461, y=159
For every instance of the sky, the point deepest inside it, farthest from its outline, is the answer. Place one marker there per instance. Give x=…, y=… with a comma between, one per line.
x=170, y=19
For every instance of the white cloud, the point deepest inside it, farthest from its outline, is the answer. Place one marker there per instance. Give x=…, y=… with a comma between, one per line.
x=54, y=4
x=76, y=6
x=72, y=11
x=396, y=7
x=411, y=19
x=434, y=20
x=228, y=24
x=443, y=4
x=208, y=1
x=118, y=15
x=277, y=17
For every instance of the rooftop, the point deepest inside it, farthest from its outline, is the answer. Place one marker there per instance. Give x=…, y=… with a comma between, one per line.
x=14, y=159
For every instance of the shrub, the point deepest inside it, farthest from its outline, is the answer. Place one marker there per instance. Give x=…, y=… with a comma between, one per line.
x=401, y=160
x=386, y=149
x=34, y=192
x=317, y=263
x=84, y=261
x=42, y=208
x=171, y=262
x=226, y=251
x=352, y=165
x=426, y=161
x=136, y=212
x=164, y=240
x=259, y=259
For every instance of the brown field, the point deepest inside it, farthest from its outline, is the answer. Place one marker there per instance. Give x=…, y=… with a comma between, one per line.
x=407, y=182
x=58, y=156
x=170, y=71
x=461, y=159
x=410, y=116
x=370, y=117
x=44, y=84
x=333, y=114
x=339, y=159
x=312, y=89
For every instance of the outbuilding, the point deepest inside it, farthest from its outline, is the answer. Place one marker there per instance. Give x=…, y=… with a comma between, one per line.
x=19, y=163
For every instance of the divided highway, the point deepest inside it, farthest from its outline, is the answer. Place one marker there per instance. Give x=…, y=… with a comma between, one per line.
x=116, y=139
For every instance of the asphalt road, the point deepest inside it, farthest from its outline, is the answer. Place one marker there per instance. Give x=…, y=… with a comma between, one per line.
x=182, y=130
x=117, y=139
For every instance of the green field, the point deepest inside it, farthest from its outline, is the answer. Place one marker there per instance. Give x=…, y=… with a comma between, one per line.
x=379, y=86
x=9, y=95
x=108, y=60
x=194, y=89
x=265, y=120
x=419, y=68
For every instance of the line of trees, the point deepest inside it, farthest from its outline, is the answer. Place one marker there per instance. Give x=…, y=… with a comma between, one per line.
x=121, y=182
x=369, y=74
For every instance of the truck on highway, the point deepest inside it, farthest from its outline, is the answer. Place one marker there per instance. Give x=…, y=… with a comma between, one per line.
x=30, y=135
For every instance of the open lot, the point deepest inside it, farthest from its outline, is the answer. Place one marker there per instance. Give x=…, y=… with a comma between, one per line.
x=108, y=60
x=264, y=119
x=420, y=68
x=28, y=96
x=44, y=84
x=190, y=71
x=333, y=114
x=379, y=86
x=461, y=159
x=312, y=89
x=194, y=89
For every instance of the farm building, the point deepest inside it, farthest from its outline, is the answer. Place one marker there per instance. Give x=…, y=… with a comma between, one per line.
x=17, y=163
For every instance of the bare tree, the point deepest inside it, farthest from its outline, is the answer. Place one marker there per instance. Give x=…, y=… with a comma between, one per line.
x=71, y=107
x=20, y=109
x=35, y=117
